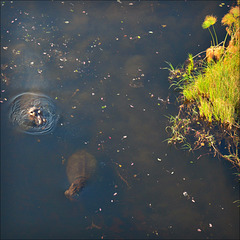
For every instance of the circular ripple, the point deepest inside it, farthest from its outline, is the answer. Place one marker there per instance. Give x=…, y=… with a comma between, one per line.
x=33, y=113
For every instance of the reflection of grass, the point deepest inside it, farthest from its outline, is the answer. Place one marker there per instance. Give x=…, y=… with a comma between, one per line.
x=211, y=92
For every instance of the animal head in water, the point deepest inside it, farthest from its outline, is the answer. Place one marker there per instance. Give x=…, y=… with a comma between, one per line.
x=36, y=116
x=75, y=188
x=33, y=113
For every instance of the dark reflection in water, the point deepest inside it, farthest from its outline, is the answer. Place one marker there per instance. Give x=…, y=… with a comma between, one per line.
x=99, y=66
x=33, y=113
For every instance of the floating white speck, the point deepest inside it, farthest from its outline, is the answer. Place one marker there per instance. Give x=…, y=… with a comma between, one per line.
x=185, y=194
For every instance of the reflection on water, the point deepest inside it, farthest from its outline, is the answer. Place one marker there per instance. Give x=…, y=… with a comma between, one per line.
x=100, y=63
x=33, y=113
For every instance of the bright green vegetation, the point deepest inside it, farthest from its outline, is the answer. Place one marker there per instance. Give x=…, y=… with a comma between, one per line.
x=208, y=22
x=210, y=94
x=216, y=91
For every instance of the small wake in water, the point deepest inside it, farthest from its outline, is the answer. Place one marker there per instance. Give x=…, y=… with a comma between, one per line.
x=33, y=113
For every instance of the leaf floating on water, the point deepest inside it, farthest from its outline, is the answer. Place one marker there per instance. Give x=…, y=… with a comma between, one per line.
x=77, y=90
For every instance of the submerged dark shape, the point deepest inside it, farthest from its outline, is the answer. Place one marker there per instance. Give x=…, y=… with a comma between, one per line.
x=33, y=113
x=80, y=167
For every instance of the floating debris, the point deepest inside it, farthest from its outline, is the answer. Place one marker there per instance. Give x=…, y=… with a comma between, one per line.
x=185, y=194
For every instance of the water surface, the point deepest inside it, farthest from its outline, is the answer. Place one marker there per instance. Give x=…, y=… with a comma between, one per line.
x=101, y=64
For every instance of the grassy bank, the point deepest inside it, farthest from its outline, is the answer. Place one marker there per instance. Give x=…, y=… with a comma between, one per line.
x=216, y=89
x=210, y=94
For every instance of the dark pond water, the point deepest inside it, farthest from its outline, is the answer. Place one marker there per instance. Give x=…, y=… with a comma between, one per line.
x=99, y=64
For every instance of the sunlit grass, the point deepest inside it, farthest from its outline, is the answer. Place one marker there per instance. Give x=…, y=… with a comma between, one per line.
x=217, y=90
x=210, y=94
x=208, y=22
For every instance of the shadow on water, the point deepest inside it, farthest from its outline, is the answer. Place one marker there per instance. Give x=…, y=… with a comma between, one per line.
x=100, y=64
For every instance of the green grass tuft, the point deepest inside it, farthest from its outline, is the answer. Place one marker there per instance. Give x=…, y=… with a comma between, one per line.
x=217, y=90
